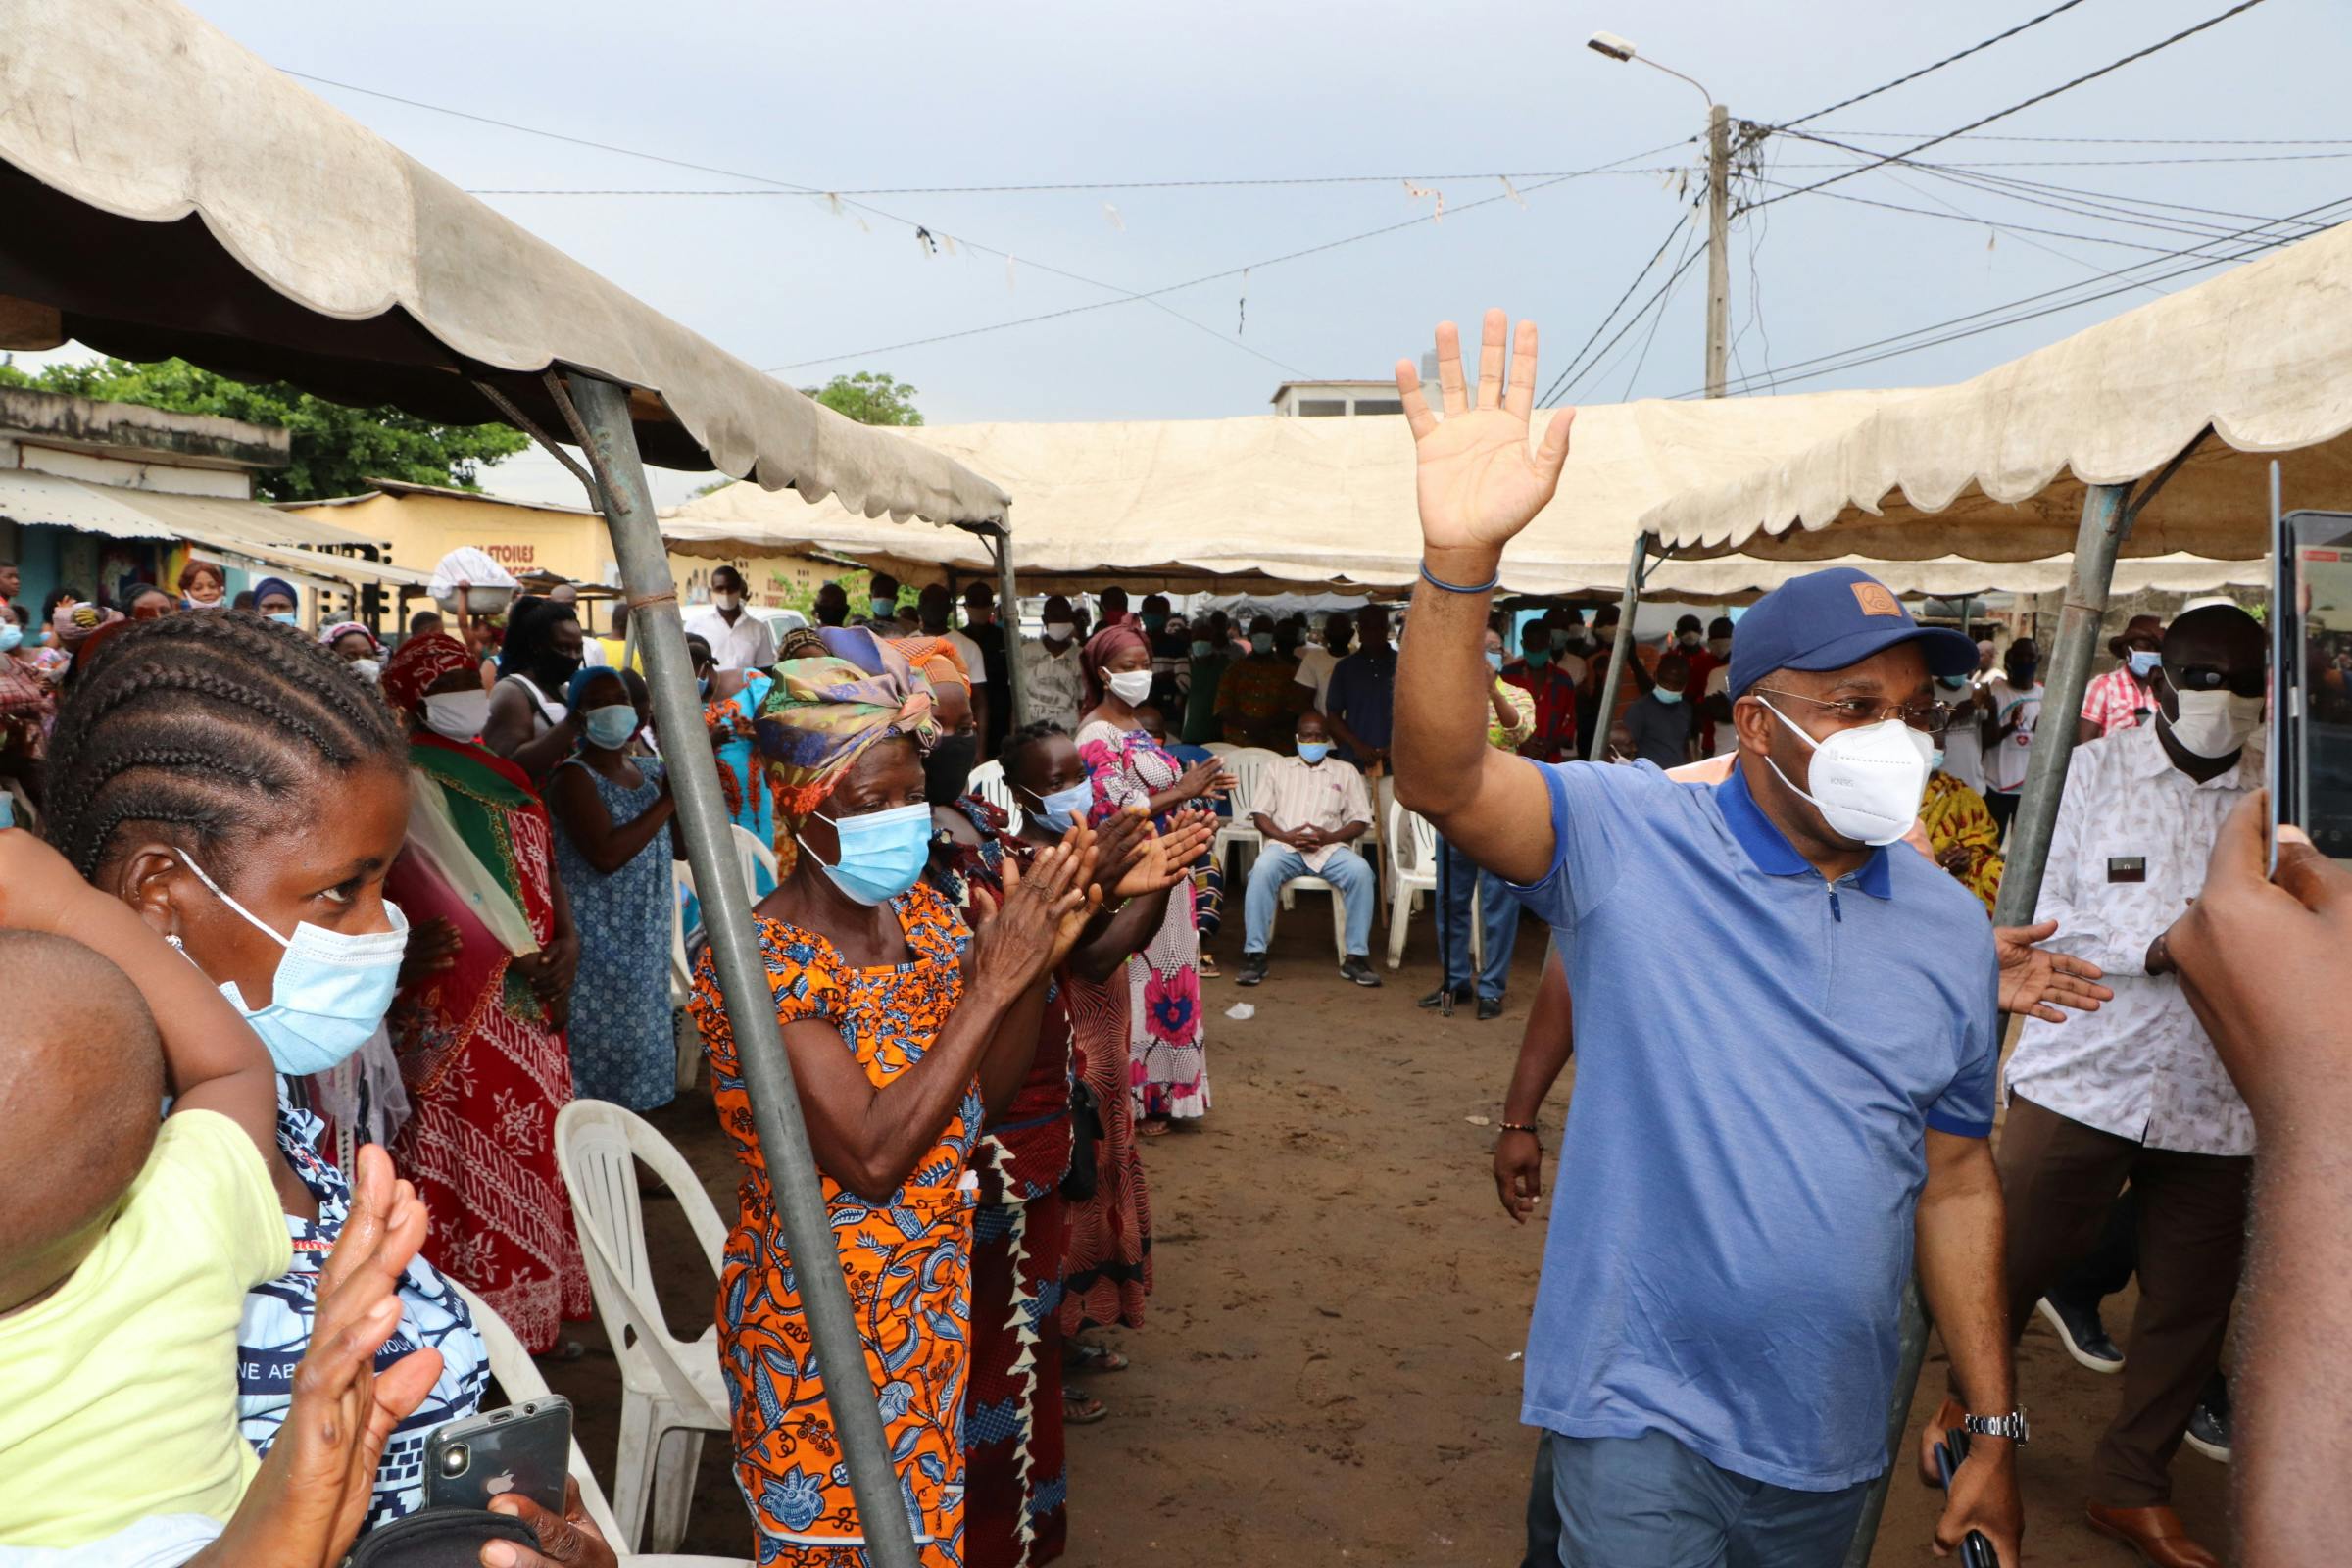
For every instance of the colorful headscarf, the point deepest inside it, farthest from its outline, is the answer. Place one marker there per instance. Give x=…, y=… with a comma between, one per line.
x=420, y=661
x=937, y=659
x=327, y=638
x=837, y=693
x=1100, y=647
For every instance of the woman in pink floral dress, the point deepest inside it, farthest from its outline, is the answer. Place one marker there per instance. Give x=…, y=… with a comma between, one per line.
x=1167, y=1051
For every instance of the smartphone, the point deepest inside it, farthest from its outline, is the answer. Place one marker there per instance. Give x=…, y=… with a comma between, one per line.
x=2311, y=678
x=523, y=1448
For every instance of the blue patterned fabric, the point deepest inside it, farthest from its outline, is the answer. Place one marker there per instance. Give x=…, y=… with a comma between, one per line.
x=623, y=1050
x=275, y=1329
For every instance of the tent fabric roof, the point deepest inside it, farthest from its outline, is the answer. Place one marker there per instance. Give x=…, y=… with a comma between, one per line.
x=1270, y=502
x=2262, y=355
x=244, y=528
x=186, y=198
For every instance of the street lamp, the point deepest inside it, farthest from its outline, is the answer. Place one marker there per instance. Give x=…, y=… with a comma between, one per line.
x=1719, y=156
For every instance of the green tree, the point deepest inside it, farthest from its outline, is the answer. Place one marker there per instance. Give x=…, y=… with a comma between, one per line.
x=336, y=450
x=870, y=396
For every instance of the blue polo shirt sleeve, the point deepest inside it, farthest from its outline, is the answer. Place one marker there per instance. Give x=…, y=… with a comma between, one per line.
x=1965, y=1107
x=1596, y=808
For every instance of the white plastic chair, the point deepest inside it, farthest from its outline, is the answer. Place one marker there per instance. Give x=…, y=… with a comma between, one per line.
x=750, y=854
x=1339, y=908
x=1247, y=765
x=681, y=974
x=519, y=1378
x=668, y=1386
x=1219, y=748
x=989, y=783
x=1413, y=872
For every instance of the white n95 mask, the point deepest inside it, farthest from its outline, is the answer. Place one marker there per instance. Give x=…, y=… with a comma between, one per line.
x=2215, y=723
x=1866, y=781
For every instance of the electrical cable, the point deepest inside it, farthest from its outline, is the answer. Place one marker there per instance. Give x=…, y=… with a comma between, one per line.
x=2041, y=97
x=1975, y=48
x=1635, y=320
x=1679, y=223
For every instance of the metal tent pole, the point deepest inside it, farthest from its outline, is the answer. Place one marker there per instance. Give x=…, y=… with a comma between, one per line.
x=1597, y=743
x=628, y=507
x=1008, y=623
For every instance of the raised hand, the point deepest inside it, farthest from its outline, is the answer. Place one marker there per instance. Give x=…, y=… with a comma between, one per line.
x=1478, y=481
x=1037, y=922
x=1167, y=859
x=1210, y=778
x=1121, y=841
x=2037, y=982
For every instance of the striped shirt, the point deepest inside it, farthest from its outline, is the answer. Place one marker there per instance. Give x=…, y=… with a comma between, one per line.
x=1327, y=796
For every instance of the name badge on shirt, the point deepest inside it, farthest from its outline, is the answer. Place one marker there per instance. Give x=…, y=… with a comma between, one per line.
x=2128, y=868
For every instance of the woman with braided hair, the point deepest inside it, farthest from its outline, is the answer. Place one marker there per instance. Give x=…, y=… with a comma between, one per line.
x=480, y=1018
x=227, y=778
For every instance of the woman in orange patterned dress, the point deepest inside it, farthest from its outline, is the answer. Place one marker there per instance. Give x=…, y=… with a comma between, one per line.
x=903, y=1028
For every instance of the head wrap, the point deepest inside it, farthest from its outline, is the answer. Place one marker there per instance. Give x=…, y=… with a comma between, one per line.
x=1119, y=634
x=327, y=638
x=584, y=675
x=276, y=585
x=836, y=693
x=937, y=659
x=416, y=664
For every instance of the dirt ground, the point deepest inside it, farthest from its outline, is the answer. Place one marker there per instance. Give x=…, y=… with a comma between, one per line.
x=1329, y=1372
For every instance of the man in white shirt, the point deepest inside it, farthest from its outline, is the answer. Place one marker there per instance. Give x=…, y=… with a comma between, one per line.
x=934, y=605
x=2134, y=1091
x=1317, y=659
x=1311, y=808
x=1052, y=675
x=2008, y=711
x=738, y=639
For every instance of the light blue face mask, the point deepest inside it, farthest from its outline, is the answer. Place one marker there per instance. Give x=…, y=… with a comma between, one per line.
x=1951, y=682
x=1202, y=648
x=882, y=609
x=2144, y=664
x=1313, y=751
x=11, y=636
x=1062, y=810
x=285, y=617
x=609, y=726
x=1262, y=641
x=1494, y=659
x=1667, y=697
x=1936, y=760
x=882, y=852
x=332, y=990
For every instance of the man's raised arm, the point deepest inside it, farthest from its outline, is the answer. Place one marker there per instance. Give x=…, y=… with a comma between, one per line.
x=1479, y=484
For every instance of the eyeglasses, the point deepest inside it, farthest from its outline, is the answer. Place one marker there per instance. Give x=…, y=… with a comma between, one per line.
x=2213, y=678
x=1929, y=718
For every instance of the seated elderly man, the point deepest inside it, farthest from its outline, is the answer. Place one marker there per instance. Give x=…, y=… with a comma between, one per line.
x=1312, y=809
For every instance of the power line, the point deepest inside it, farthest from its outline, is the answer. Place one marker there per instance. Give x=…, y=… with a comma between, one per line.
x=1974, y=48
x=2040, y=97
x=1635, y=320
x=1985, y=222
x=1856, y=354
x=1679, y=223
x=2115, y=141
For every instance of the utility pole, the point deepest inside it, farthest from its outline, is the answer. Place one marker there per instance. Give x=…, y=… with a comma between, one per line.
x=1719, y=264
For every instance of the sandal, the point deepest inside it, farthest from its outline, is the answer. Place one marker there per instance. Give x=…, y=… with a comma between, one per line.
x=1080, y=1355
x=1208, y=966
x=1154, y=1127
x=1081, y=1410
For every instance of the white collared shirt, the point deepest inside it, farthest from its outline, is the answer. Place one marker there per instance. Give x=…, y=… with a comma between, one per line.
x=1327, y=796
x=745, y=645
x=2129, y=853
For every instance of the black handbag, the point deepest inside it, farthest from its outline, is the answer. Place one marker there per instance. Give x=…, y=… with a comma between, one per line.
x=437, y=1538
x=1078, y=1182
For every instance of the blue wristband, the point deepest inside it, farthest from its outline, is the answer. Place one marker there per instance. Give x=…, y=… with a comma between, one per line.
x=1487, y=587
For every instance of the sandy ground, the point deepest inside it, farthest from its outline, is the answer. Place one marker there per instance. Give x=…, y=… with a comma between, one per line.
x=1329, y=1371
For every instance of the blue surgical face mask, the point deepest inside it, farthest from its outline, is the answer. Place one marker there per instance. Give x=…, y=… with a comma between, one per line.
x=1951, y=682
x=332, y=990
x=11, y=636
x=1936, y=760
x=1667, y=697
x=882, y=852
x=1262, y=641
x=1313, y=751
x=882, y=609
x=285, y=617
x=609, y=726
x=1061, y=811
x=1494, y=659
x=1202, y=648
x=2143, y=662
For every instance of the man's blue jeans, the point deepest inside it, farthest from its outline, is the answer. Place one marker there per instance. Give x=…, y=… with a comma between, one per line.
x=1650, y=1502
x=1499, y=914
x=1345, y=870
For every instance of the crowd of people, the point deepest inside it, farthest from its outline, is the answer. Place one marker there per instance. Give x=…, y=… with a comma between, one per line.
x=313, y=895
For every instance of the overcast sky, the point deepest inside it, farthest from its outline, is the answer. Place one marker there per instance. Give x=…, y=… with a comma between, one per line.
x=920, y=94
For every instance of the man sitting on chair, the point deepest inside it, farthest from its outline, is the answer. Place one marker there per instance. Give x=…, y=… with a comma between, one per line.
x=1311, y=811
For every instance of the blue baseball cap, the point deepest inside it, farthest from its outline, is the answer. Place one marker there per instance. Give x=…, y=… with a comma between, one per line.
x=1829, y=619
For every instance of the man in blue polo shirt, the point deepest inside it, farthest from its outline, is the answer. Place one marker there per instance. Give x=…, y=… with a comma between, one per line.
x=1714, y=1342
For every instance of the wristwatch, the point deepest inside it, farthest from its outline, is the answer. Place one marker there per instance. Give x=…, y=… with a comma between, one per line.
x=2011, y=1426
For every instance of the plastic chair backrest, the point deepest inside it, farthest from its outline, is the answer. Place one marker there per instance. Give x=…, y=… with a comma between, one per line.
x=750, y=852
x=518, y=1377
x=682, y=882
x=597, y=1150
x=990, y=784
x=1248, y=764
x=1219, y=748
x=1412, y=841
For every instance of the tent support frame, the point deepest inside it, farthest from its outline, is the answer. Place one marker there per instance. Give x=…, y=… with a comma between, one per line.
x=598, y=411
x=1596, y=745
x=1009, y=626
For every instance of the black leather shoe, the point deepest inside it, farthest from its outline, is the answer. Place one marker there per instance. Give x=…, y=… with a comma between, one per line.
x=1489, y=1007
x=1439, y=997
x=2082, y=1332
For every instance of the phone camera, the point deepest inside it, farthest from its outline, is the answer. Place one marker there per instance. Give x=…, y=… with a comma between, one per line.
x=455, y=1459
